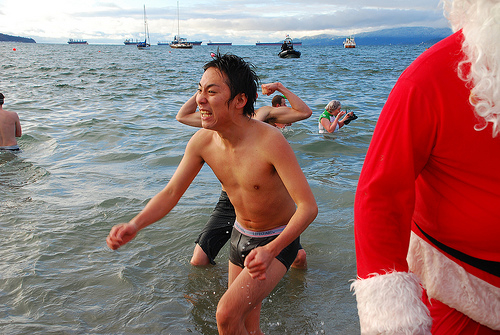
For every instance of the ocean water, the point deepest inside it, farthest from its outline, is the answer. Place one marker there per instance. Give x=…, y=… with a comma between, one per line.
x=100, y=139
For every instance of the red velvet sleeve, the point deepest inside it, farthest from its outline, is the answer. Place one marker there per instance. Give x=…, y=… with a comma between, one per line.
x=385, y=198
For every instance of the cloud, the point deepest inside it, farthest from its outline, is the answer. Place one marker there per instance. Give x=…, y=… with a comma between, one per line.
x=242, y=21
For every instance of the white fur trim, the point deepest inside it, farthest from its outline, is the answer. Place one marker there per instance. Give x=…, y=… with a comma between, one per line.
x=391, y=304
x=449, y=283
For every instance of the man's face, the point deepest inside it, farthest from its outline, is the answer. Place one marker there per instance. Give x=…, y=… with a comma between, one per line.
x=212, y=98
x=283, y=102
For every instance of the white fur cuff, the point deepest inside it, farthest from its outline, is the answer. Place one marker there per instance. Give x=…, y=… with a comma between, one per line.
x=391, y=304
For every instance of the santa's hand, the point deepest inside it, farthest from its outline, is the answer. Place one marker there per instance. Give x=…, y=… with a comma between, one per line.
x=121, y=234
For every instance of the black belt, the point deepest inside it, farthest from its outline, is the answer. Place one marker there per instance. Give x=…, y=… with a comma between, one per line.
x=491, y=267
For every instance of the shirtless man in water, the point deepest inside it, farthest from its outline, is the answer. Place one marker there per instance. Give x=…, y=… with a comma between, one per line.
x=216, y=231
x=257, y=167
x=10, y=128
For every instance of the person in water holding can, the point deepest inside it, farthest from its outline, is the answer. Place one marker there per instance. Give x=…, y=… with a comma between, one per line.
x=332, y=119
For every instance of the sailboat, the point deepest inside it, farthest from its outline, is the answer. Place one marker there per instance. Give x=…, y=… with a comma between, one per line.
x=178, y=42
x=145, y=45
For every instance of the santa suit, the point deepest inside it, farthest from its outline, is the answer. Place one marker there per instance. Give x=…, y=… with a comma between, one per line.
x=427, y=207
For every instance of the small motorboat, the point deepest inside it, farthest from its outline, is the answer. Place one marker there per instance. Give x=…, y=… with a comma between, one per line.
x=349, y=43
x=287, y=50
x=289, y=53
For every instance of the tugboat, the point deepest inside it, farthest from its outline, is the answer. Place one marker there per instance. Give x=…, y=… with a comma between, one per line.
x=287, y=50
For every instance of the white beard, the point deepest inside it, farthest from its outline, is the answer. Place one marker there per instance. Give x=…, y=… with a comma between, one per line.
x=480, y=21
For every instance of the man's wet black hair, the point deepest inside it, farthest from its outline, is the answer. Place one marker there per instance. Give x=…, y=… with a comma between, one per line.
x=241, y=78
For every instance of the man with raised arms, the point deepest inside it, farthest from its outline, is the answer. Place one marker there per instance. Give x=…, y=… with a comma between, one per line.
x=278, y=113
x=216, y=231
x=258, y=177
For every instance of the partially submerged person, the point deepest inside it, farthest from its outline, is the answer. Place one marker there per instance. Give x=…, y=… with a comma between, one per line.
x=332, y=118
x=258, y=177
x=10, y=128
x=279, y=101
x=215, y=234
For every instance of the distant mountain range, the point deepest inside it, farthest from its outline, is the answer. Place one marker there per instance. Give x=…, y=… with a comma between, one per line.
x=10, y=38
x=405, y=35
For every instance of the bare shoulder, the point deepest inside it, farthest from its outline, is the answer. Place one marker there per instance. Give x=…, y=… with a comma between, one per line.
x=269, y=137
x=199, y=144
x=9, y=114
x=201, y=136
x=263, y=128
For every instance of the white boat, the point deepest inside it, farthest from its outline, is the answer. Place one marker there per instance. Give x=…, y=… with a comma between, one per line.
x=168, y=43
x=178, y=42
x=145, y=45
x=349, y=42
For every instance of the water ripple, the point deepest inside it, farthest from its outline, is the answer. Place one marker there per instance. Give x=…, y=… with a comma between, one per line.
x=100, y=139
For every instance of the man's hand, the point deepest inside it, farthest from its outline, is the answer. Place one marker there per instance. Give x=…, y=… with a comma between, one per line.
x=121, y=234
x=257, y=262
x=268, y=89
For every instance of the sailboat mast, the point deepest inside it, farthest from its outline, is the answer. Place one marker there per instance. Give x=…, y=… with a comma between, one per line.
x=145, y=25
x=178, y=20
x=145, y=45
x=179, y=43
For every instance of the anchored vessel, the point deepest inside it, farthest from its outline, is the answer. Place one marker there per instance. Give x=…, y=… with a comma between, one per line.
x=145, y=45
x=287, y=50
x=349, y=42
x=72, y=41
x=178, y=42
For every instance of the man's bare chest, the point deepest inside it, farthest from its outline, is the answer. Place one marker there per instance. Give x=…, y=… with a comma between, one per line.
x=249, y=169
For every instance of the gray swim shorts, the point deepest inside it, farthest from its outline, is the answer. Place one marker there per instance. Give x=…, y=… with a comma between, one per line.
x=243, y=241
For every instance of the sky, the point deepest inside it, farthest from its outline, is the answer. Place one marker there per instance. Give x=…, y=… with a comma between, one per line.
x=238, y=21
